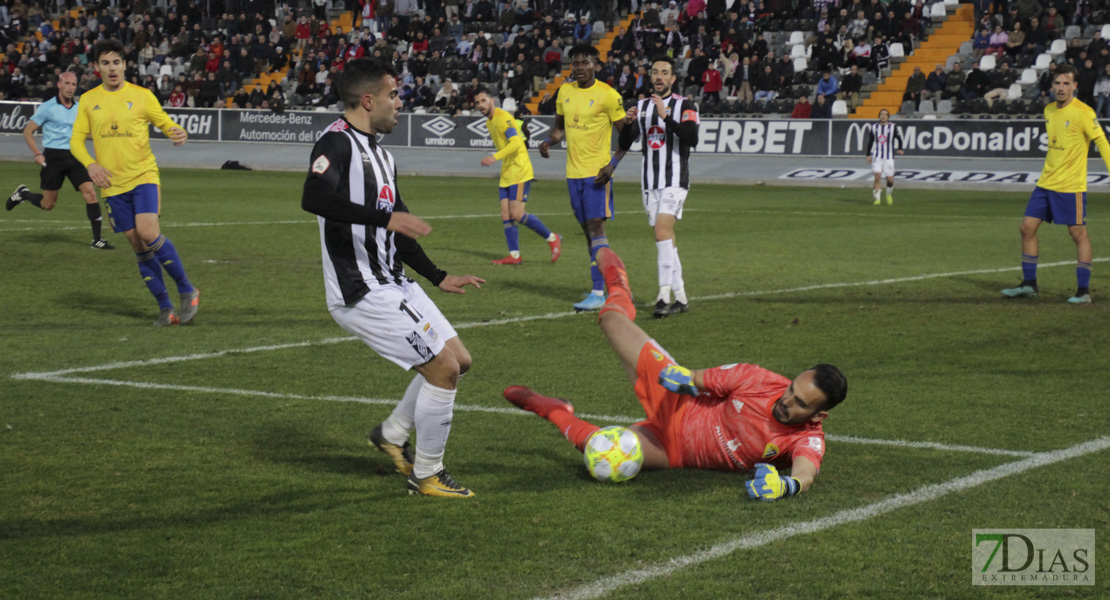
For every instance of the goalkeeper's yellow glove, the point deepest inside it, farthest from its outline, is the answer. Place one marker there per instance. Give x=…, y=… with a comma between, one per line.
x=679, y=380
x=767, y=484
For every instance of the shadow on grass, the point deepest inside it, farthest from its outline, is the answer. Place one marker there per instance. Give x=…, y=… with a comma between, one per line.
x=286, y=445
x=50, y=238
x=125, y=304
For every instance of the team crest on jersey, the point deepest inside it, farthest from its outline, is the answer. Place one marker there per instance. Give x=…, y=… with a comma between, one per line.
x=339, y=125
x=882, y=139
x=428, y=331
x=321, y=165
x=770, y=451
x=656, y=137
x=816, y=445
x=658, y=356
x=386, y=199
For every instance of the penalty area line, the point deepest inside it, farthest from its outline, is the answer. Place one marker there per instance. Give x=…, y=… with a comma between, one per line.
x=923, y=494
x=503, y=410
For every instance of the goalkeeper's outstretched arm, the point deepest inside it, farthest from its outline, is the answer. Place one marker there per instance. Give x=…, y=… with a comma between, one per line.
x=804, y=471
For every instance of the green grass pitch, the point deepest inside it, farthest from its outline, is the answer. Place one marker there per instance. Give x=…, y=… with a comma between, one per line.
x=245, y=474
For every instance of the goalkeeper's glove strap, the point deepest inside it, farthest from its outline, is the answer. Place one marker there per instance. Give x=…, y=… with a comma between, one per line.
x=792, y=485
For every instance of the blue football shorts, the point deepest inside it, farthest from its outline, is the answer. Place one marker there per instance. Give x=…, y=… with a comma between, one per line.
x=1061, y=208
x=590, y=200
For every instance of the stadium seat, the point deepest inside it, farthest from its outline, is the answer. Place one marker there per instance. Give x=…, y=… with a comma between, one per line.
x=1028, y=77
x=1073, y=31
x=951, y=3
x=1000, y=107
x=738, y=107
x=944, y=107
x=1014, y=92
x=869, y=78
x=988, y=62
x=896, y=50
x=938, y=11
x=951, y=61
x=797, y=37
x=1057, y=48
x=966, y=48
x=1106, y=31
x=960, y=108
x=906, y=109
x=1042, y=62
x=798, y=51
x=1017, y=107
x=1034, y=108
x=1024, y=61
x=800, y=64
x=840, y=108
x=978, y=106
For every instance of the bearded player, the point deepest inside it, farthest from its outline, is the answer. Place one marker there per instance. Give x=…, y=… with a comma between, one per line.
x=509, y=138
x=737, y=417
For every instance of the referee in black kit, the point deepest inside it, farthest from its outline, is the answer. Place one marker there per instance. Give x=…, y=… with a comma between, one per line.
x=366, y=236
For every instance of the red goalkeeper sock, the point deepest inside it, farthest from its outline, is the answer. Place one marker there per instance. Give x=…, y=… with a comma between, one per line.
x=574, y=429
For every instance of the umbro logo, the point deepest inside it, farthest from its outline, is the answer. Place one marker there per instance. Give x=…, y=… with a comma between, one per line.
x=439, y=126
x=536, y=128
x=479, y=128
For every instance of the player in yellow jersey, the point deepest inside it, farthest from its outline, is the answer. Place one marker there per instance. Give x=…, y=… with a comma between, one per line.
x=115, y=114
x=510, y=139
x=586, y=113
x=1061, y=193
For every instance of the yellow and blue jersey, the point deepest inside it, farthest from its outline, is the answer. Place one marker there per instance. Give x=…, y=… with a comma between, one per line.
x=588, y=116
x=117, y=122
x=1070, y=132
x=508, y=137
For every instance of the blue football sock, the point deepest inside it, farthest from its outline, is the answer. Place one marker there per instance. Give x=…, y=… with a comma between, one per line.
x=512, y=235
x=1029, y=267
x=1083, y=274
x=596, y=244
x=167, y=255
x=152, y=277
x=535, y=224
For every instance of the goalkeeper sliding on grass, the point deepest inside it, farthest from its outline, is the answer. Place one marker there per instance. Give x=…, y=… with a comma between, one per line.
x=736, y=417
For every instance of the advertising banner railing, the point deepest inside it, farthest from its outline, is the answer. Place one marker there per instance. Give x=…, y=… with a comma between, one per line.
x=955, y=138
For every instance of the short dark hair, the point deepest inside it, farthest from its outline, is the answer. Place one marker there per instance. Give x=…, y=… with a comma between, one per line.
x=1066, y=70
x=362, y=76
x=832, y=382
x=105, y=46
x=483, y=90
x=585, y=50
x=663, y=58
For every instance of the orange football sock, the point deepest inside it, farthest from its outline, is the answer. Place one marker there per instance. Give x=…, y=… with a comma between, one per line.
x=574, y=429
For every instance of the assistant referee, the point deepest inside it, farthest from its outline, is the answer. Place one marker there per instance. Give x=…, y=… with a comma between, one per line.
x=56, y=117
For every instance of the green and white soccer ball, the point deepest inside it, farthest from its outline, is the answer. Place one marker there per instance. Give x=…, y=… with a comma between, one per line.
x=613, y=454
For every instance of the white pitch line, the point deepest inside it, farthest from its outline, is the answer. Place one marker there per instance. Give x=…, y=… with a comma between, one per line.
x=504, y=410
x=921, y=495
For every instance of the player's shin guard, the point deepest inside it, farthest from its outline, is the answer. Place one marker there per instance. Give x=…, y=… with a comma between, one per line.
x=397, y=427
x=93, y=212
x=432, y=417
x=1083, y=274
x=152, y=277
x=596, y=244
x=1029, y=267
x=664, y=251
x=512, y=236
x=574, y=429
x=677, y=283
x=164, y=249
x=535, y=224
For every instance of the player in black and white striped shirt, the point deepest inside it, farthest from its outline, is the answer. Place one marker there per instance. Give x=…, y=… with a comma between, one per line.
x=881, y=140
x=352, y=189
x=667, y=127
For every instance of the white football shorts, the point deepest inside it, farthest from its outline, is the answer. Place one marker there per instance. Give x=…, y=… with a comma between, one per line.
x=883, y=166
x=667, y=201
x=400, y=323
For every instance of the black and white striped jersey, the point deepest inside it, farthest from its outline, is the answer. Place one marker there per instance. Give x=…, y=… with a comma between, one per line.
x=666, y=143
x=881, y=139
x=352, y=189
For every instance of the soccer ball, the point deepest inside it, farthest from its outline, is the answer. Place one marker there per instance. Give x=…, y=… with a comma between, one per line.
x=613, y=454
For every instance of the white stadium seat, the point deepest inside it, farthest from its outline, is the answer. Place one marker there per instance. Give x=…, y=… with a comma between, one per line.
x=1105, y=31
x=1014, y=92
x=798, y=51
x=896, y=50
x=1042, y=62
x=800, y=64
x=1028, y=76
x=797, y=37
x=988, y=62
x=840, y=108
x=1057, y=48
x=937, y=11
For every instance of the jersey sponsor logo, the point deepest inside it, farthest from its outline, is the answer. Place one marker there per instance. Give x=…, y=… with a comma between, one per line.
x=770, y=451
x=738, y=405
x=385, y=198
x=339, y=125
x=321, y=165
x=656, y=137
x=690, y=115
x=815, y=444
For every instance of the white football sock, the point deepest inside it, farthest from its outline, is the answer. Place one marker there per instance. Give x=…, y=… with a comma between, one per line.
x=434, y=407
x=877, y=193
x=677, y=284
x=890, y=189
x=397, y=427
x=665, y=257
